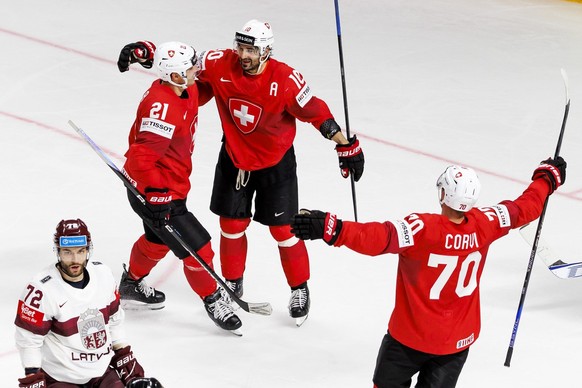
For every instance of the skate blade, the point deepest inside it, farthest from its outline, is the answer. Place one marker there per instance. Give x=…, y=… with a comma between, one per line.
x=236, y=332
x=139, y=306
x=300, y=321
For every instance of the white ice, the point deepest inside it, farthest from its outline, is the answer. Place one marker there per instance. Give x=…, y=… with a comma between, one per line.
x=429, y=83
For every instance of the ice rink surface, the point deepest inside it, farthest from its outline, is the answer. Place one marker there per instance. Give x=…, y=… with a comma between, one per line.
x=429, y=83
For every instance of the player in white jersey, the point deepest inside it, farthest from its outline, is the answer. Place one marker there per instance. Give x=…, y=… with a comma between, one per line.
x=69, y=325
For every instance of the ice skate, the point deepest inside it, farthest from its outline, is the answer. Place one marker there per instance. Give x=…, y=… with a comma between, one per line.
x=236, y=286
x=221, y=313
x=299, y=304
x=137, y=295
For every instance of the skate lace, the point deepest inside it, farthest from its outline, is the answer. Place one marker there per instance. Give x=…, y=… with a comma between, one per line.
x=225, y=295
x=145, y=289
x=222, y=310
x=298, y=298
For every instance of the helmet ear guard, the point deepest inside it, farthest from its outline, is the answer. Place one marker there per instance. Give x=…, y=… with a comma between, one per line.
x=458, y=188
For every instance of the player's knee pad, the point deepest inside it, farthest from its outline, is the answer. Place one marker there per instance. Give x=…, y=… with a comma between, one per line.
x=283, y=235
x=233, y=228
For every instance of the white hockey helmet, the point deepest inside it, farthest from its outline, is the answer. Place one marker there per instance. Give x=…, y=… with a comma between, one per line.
x=258, y=34
x=174, y=57
x=458, y=188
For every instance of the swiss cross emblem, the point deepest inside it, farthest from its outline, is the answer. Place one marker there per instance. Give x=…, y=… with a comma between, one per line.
x=171, y=53
x=245, y=115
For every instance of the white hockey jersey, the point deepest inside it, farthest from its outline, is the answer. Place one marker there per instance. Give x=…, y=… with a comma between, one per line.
x=67, y=331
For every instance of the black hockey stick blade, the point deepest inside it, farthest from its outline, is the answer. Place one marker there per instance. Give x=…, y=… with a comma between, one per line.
x=255, y=308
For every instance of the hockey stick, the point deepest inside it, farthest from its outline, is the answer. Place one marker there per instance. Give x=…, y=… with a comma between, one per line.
x=345, y=95
x=255, y=308
x=558, y=267
x=538, y=233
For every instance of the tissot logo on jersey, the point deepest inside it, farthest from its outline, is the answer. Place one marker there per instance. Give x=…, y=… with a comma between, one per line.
x=404, y=232
x=245, y=114
x=157, y=126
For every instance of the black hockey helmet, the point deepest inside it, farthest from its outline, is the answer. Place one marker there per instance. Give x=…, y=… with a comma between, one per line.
x=144, y=382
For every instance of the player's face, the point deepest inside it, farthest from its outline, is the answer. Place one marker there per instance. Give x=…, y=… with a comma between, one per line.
x=191, y=74
x=249, y=57
x=73, y=260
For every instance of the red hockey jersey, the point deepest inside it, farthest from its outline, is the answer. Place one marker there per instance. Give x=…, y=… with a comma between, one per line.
x=258, y=112
x=161, y=140
x=437, y=307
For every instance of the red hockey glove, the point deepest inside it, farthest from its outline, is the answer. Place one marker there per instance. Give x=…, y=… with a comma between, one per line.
x=315, y=224
x=351, y=158
x=125, y=364
x=158, y=205
x=553, y=171
x=36, y=380
x=141, y=52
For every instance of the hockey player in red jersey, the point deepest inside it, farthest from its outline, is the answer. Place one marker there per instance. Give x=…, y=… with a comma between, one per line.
x=69, y=324
x=259, y=100
x=436, y=316
x=159, y=163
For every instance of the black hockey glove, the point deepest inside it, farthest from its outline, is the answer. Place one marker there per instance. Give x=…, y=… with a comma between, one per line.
x=158, y=205
x=140, y=382
x=37, y=379
x=125, y=365
x=351, y=158
x=141, y=52
x=553, y=171
x=315, y=224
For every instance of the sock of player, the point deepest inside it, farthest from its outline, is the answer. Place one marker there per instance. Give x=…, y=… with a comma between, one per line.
x=199, y=280
x=233, y=247
x=295, y=262
x=144, y=256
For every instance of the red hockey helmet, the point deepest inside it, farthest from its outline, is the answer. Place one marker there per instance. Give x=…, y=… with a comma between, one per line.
x=72, y=234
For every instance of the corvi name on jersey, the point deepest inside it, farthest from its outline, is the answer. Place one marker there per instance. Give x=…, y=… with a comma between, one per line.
x=304, y=96
x=158, y=127
x=461, y=241
x=404, y=232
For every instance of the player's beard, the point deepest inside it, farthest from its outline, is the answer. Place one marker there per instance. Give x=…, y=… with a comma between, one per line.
x=73, y=270
x=250, y=65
